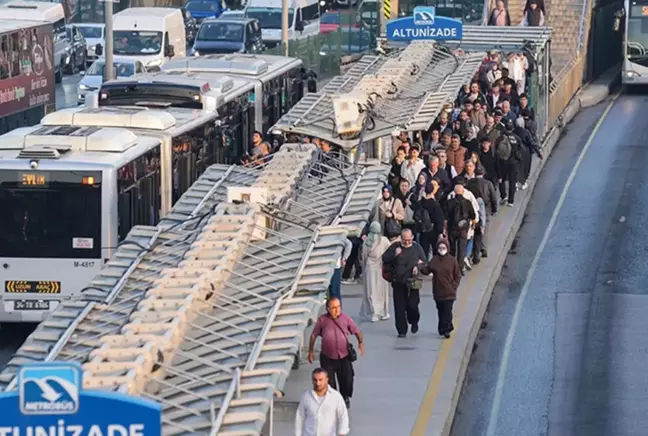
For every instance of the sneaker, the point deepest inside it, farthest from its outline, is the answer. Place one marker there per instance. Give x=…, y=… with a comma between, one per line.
x=402, y=335
x=484, y=253
x=446, y=335
x=525, y=185
x=503, y=201
x=385, y=318
x=374, y=319
x=347, y=282
x=467, y=263
x=518, y=185
x=510, y=204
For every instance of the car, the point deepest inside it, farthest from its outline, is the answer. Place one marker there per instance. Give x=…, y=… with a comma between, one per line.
x=75, y=51
x=348, y=40
x=233, y=14
x=204, y=9
x=333, y=20
x=93, y=77
x=228, y=35
x=93, y=34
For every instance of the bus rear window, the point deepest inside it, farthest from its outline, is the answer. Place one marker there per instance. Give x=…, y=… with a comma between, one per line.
x=55, y=214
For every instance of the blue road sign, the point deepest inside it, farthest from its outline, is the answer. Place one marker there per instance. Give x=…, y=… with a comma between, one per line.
x=50, y=400
x=424, y=25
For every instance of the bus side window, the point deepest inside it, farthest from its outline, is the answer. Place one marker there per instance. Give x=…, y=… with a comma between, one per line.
x=138, y=185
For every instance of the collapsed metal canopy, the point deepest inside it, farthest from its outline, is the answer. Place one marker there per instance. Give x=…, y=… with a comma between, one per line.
x=414, y=107
x=509, y=38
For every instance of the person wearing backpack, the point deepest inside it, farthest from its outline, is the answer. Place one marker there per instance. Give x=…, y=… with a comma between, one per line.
x=432, y=220
x=508, y=150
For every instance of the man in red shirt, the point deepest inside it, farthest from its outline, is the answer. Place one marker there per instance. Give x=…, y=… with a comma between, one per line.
x=334, y=327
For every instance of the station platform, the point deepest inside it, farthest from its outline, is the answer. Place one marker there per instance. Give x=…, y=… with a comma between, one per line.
x=411, y=386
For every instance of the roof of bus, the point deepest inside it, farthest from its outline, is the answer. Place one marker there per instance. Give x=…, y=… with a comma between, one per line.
x=72, y=148
x=223, y=87
x=25, y=10
x=254, y=66
x=9, y=25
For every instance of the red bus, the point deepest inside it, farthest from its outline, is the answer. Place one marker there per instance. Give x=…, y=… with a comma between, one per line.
x=27, y=89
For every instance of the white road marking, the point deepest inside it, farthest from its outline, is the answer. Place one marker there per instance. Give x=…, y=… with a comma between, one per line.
x=501, y=376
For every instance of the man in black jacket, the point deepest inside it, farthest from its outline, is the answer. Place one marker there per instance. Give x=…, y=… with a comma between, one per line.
x=484, y=189
x=403, y=257
x=460, y=213
x=509, y=162
x=527, y=150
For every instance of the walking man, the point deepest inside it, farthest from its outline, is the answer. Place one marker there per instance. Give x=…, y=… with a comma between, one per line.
x=446, y=277
x=337, y=353
x=402, y=258
x=321, y=410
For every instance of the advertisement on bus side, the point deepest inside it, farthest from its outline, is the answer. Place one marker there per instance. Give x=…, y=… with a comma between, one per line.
x=27, y=71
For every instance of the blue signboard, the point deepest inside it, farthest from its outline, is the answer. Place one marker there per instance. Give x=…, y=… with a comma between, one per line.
x=424, y=25
x=50, y=400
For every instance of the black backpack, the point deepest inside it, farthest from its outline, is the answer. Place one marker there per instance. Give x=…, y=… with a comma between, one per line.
x=460, y=220
x=423, y=221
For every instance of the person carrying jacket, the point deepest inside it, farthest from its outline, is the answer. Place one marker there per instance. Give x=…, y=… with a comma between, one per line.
x=484, y=189
x=402, y=259
x=460, y=213
x=446, y=278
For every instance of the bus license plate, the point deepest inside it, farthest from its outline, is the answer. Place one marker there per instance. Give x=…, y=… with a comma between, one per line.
x=31, y=305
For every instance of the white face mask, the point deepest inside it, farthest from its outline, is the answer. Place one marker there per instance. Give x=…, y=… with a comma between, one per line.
x=443, y=251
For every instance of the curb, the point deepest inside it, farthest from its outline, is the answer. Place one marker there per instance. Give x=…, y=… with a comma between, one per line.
x=600, y=93
x=598, y=90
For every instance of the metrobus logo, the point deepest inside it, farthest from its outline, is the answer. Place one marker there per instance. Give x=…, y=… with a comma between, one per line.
x=49, y=390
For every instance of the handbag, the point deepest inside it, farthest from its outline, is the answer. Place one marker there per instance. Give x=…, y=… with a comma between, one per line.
x=392, y=226
x=353, y=354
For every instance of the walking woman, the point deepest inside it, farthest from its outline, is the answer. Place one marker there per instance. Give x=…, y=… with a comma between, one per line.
x=375, y=304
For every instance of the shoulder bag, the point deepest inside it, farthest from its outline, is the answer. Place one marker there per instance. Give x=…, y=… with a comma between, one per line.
x=392, y=226
x=353, y=354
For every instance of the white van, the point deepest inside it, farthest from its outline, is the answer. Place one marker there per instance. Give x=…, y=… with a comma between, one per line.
x=150, y=35
x=43, y=12
x=303, y=19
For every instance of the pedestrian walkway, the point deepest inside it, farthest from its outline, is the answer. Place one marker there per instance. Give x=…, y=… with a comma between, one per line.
x=411, y=385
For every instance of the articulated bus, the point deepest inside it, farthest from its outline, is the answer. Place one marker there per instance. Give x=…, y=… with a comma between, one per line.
x=278, y=82
x=72, y=187
x=635, y=43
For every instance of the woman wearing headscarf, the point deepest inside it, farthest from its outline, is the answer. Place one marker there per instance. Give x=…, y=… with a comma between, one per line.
x=375, y=304
x=390, y=209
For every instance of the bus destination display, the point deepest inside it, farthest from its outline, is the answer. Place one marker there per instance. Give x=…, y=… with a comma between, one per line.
x=33, y=179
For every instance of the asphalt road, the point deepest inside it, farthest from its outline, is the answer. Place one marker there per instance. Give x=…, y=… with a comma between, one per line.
x=576, y=362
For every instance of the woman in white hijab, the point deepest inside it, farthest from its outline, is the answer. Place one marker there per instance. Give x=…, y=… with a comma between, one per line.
x=375, y=304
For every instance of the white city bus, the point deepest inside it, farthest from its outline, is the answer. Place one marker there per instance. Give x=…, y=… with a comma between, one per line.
x=72, y=187
x=635, y=43
x=279, y=80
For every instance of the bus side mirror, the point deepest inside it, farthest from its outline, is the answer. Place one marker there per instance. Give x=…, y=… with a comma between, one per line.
x=98, y=50
x=299, y=26
x=169, y=51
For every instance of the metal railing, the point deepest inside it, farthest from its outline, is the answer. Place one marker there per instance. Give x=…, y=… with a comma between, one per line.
x=564, y=87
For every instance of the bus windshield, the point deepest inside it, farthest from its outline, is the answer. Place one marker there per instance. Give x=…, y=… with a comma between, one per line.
x=637, y=43
x=133, y=42
x=270, y=18
x=55, y=214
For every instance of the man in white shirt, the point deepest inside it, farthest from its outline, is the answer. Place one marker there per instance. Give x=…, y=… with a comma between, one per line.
x=321, y=410
x=412, y=167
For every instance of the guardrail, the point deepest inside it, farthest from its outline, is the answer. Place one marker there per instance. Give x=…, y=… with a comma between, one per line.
x=564, y=87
